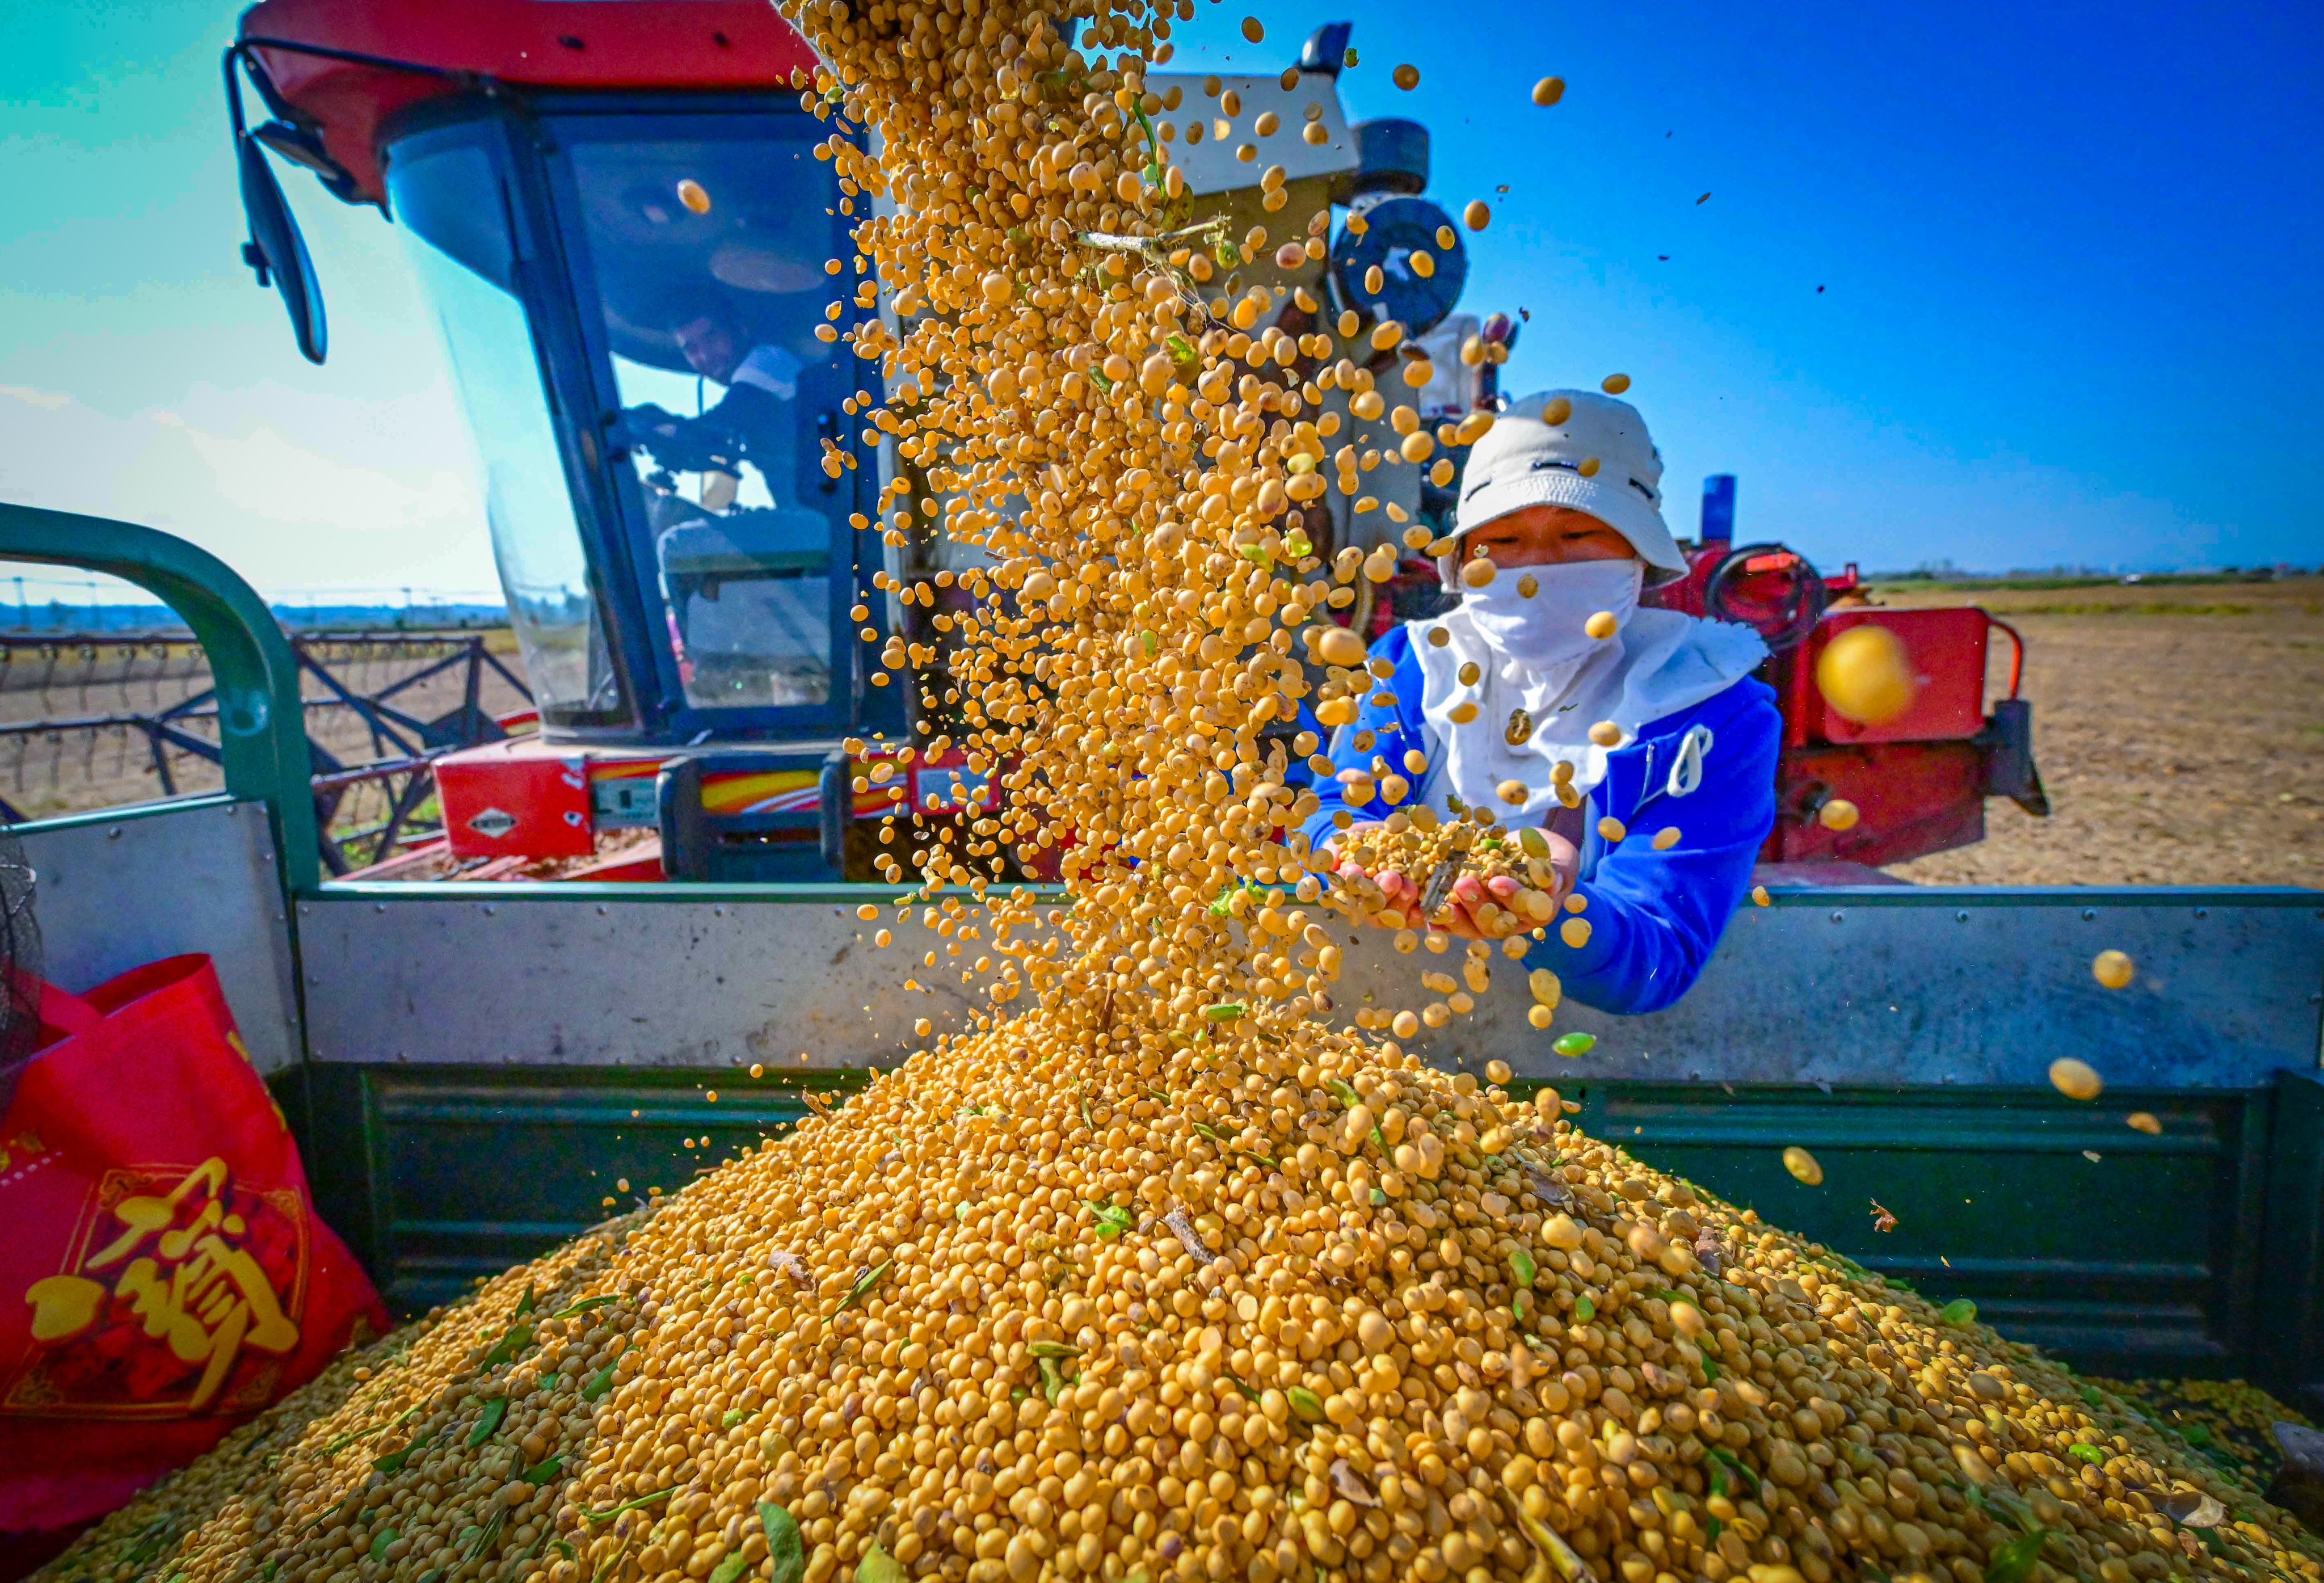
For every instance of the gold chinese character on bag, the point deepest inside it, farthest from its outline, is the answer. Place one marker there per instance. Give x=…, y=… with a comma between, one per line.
x=185, y=1268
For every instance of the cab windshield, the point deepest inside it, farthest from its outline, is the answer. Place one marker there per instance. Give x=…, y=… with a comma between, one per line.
x=454, y=211
x=707, y=261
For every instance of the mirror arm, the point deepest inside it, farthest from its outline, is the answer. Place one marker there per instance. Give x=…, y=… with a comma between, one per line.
x=233, y=89
x=252, y=255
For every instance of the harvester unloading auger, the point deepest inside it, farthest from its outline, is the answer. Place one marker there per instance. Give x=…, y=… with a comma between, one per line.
x=1151, y=1267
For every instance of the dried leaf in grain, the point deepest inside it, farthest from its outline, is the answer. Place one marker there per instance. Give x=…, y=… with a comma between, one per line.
x=1352, y=1486
x=1188, y=1238
x=2192, y=1509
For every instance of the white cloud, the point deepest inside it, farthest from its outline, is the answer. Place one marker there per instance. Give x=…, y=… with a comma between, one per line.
x=47, y=400
x=292, y=491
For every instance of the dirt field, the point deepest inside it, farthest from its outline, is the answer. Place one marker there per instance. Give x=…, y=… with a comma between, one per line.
x=79, y=767
x=2180, y=730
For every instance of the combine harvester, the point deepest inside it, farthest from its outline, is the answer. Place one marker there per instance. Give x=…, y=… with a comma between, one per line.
x=622, y=223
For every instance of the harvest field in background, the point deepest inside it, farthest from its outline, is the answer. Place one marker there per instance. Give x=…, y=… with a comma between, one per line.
x=70, y=681
x=2179, y=729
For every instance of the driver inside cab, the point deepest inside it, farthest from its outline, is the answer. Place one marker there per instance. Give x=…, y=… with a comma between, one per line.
x=748, y=577
x=753, y=423
x=1637, y=739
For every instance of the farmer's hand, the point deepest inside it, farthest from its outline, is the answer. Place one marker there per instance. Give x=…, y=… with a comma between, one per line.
x=1466, y=902
x=1397, y=890
x=1473, y=907
x=1463, y=912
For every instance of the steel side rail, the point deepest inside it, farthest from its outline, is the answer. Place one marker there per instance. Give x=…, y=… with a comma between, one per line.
x=1884, y=985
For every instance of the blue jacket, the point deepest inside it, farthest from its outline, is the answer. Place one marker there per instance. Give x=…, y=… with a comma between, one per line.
x=1654, y=915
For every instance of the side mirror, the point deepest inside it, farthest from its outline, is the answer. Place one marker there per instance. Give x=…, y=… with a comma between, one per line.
x=275, y=253
x=275, y=248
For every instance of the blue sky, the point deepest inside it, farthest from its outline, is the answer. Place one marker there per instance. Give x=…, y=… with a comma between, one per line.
x=2069, y=257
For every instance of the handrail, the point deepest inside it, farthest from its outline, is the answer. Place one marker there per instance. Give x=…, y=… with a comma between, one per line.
x=261, y=729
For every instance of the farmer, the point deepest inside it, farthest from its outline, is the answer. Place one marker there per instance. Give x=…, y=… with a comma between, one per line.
x=1501, y=693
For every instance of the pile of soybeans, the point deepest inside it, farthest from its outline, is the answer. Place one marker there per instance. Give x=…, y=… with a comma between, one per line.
x=1168, y=1272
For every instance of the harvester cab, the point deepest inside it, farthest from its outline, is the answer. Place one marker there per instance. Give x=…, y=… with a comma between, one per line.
x=622, y=227
x=624, y=224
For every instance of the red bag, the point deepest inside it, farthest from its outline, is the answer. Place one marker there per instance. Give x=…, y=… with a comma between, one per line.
x=163, y=1275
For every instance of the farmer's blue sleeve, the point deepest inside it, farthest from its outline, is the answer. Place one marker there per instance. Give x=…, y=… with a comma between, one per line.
x=1655, y=916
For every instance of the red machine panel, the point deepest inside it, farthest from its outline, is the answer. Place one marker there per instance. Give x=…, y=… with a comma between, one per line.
x=521, y=797
x=534, y=800
x=1947, y=651
x=669, y=44
x=1913, y=798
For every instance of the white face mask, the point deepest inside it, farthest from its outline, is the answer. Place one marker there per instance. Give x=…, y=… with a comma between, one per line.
x=1545, y=631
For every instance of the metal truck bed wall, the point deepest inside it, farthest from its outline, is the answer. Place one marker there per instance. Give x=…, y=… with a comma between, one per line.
x=475, y=1069
x=501, y=1055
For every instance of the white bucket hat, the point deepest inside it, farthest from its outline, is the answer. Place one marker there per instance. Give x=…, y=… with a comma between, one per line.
x=1524, y=462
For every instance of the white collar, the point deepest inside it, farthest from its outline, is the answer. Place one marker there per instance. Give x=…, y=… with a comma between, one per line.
x=1660, y=663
